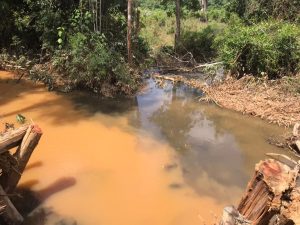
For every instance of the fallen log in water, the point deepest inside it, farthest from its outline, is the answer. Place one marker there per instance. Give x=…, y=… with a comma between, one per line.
x=12, y=166
x=272, y=196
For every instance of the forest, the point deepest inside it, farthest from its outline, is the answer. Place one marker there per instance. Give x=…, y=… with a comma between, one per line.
x=103, y=46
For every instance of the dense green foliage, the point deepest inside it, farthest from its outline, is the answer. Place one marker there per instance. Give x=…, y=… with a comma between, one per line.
x=258, y=10
x=89, y=61
x=63, y=33
x=271, y=48
x=200, y=43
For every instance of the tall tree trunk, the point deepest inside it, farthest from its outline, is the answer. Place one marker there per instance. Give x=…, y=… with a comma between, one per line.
x=178, y=23
x=137, y=22
x=204, y=4
x=100, y=16
x=203, y=7
x=129, y=31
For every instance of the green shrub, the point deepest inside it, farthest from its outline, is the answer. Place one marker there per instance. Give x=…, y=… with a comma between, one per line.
x=217, y=14
x=90, y=62
x=271, y=48
x=200, y=43
x=259, y=10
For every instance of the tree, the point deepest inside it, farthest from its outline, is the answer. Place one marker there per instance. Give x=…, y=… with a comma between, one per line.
x=129, y=31
x=204, y=4
x=178, y=24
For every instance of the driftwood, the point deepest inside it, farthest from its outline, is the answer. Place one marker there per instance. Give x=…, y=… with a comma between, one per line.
x=26, y=138
x=272, y=196
x=207, y=65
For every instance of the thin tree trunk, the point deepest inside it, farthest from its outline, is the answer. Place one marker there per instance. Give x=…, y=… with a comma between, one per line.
x=96, y=15
x=178, y=25
x=100, y=16
x=204, y=5
x=129, y=31
x=137, y=22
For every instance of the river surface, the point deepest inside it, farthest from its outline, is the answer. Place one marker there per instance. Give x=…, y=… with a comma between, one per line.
x=161, y=158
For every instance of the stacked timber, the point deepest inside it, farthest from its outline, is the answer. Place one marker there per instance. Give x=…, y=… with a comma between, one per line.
x=16, y=147
x=272, y=196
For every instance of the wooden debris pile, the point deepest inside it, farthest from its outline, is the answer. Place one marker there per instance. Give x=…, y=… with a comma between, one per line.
x=16, y=147
x=272, y=196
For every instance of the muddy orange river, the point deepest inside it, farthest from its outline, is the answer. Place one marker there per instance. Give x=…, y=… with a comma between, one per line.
x=160, y=158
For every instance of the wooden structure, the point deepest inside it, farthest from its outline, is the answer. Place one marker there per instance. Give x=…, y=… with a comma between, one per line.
x=16, y=147
x=272, y=196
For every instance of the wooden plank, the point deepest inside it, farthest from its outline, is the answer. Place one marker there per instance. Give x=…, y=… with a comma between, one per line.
x=12, y=138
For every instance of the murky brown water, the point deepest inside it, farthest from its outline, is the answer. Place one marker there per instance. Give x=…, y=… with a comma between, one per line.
x=161, y=158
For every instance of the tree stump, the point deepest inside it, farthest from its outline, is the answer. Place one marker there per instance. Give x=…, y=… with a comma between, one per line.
x=272, y=196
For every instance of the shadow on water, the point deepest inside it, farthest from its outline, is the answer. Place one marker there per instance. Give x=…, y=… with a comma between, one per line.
x=30, y=203
x=109, y=106
x=52, y=105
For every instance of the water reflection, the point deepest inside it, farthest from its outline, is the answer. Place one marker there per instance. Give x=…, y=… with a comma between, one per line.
x=217, y=148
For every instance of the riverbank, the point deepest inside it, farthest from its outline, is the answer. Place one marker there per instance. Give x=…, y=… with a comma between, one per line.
x=276, y=101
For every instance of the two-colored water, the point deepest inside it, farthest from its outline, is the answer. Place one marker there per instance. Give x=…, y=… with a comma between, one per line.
x=161, y=158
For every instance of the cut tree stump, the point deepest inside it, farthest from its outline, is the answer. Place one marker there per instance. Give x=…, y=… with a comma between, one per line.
x=272, y=196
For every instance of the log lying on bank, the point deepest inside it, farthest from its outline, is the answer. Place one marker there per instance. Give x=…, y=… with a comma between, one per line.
x=12, y=166
x=272, y=196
